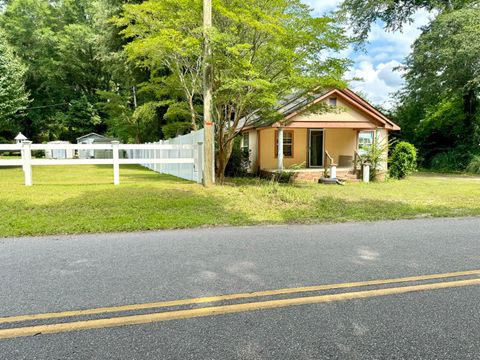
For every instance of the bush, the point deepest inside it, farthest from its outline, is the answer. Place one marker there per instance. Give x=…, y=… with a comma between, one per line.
x=239, y=161
x=474, y=165
x=375, y=155
x=403, y=160
x=452, y=160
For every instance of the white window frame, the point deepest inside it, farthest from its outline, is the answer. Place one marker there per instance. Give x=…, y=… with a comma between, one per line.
x=245, y=136
x=366, y=144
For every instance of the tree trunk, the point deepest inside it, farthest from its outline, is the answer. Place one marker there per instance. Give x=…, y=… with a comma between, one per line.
x=192, y=113
x=224, y=152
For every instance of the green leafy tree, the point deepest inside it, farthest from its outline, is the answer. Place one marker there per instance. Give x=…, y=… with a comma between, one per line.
x=13, y=96
x=29, y=27
x=439, y=108
x=115, y=107
x=361, y=14
x=262, y=52
x=80, y=118
x=445, y=63
x=71, y=51
x=168, y=34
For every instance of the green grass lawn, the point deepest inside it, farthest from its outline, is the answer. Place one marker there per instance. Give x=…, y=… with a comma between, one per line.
x=78, y=199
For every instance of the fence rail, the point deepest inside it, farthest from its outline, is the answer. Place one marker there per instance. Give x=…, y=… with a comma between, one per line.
x=154, y=153
x=151, y=146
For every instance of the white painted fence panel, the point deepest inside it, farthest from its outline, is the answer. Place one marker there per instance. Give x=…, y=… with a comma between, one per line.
x=184, y=146
x=179, y=157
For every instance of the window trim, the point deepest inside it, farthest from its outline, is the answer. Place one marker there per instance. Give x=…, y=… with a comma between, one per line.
x=334, y=100
x=366, y=131
x=292, y=145
x=247, y=146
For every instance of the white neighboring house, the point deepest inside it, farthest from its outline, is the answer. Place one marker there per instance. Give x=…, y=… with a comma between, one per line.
x=59, y=153
x=90, y=139
x=106, y=154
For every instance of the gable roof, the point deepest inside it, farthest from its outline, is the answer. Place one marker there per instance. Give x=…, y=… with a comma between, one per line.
x=296, y=105
x=92, y=134
x=20, y=136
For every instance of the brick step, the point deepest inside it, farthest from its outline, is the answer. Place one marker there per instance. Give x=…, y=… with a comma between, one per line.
x=315, y=176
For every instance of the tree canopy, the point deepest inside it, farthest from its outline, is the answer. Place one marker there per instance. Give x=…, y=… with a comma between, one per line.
x=262, y=52
x=439, y=103
x=361, y=14
x=13, y=96
x=438, y=107
x=133, y=69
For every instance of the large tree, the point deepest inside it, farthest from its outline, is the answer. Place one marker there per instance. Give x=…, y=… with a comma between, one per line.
x=263, y=51
x=361, y=14
x=440, y=100
x=438, y=105
x=13, y=96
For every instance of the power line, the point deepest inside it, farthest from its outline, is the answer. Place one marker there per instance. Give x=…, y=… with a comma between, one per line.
x=44, y=106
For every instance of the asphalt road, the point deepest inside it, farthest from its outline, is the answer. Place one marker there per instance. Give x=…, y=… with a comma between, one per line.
x=64, y=273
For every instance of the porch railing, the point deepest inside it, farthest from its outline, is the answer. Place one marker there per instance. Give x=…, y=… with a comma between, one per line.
x=358, y=162
x=328, y=163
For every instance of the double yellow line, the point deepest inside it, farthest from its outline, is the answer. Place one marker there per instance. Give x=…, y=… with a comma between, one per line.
x=228, y=309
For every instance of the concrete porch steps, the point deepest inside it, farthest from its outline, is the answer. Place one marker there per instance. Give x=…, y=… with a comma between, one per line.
x=314, y=176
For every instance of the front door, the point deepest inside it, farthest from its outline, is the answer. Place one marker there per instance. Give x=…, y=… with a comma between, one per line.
x=315, y=146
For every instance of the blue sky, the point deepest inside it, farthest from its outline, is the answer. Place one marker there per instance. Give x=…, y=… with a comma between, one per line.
x=384, y=52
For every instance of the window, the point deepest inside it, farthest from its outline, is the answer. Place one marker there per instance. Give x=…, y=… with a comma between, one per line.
x=365, y=139
x=287, y=143
x=332, y=102
x=245, y=141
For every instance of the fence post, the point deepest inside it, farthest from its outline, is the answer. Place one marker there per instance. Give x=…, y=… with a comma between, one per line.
x=366, y=173
x=333, y=171
x=116, y=165
x=199, y=162
x=27, y=162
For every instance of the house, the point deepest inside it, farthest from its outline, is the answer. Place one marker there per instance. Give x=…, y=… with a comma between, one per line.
x=92, y=138
x=309, y=142
x=104, y=153
x=59, y=153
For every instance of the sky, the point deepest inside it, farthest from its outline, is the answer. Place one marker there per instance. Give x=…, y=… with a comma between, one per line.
x=383, y=53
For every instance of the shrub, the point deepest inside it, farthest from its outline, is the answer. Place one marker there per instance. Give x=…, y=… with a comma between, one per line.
x=239, y=161
x=474, y=165
x=375, y=156
x=283, y=177
x=451, y=160
x=403, y=160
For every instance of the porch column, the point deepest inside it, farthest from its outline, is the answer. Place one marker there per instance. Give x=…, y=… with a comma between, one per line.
x=280, y=149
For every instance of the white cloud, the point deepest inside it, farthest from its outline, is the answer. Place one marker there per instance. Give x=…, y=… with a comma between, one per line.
x=385, y=51
x=378, y=82
x=321, y=7
x=398, y=43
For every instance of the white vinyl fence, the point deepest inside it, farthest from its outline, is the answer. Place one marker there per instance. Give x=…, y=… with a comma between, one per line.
x=188, y=171
x=165, y=154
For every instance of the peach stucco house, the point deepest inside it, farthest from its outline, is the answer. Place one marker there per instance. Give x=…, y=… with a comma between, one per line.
x=311, y=141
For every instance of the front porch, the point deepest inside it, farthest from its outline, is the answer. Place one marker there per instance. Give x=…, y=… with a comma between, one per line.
x=310, y=152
